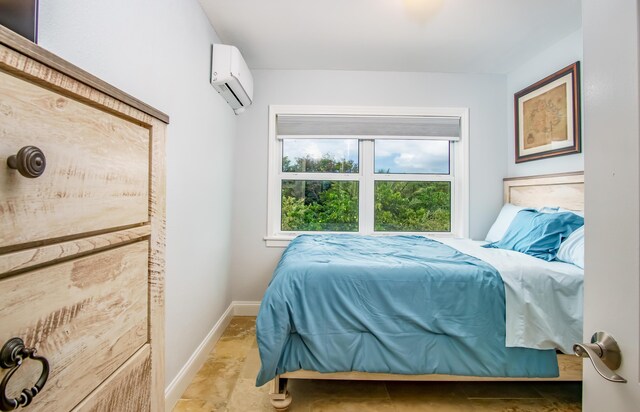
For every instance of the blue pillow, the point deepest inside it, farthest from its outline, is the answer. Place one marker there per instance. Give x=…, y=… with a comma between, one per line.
x=538, y=234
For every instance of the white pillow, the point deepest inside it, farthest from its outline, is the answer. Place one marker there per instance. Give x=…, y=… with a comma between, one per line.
x=572, y=248
x=500, y=226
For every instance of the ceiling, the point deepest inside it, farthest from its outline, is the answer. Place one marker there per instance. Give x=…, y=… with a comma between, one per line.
x=471, y=36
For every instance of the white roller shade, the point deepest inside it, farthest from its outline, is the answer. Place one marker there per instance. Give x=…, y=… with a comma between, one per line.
x=388, y=127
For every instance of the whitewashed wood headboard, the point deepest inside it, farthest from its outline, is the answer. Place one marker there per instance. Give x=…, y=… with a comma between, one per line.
x=563, y=189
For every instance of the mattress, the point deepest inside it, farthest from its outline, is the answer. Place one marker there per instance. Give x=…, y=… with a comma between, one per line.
x=388, y=304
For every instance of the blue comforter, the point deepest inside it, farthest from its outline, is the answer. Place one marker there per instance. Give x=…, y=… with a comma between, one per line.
x=394, y=304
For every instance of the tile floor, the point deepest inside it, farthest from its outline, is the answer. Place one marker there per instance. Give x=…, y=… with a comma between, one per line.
x=226, y=382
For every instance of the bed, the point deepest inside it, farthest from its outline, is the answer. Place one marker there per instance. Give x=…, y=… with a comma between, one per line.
x=334, y=298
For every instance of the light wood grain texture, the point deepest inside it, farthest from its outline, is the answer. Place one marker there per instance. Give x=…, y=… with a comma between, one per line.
x=22, y=66
x=564, y=190
x=127, y=390
x=39, y=256
x=123, y=135
x=97, y=166
x=570, y=370
x=86, y=316
x=45, y=58
x=157, y=263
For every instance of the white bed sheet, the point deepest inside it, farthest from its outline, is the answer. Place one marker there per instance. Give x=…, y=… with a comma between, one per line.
x=544, y=300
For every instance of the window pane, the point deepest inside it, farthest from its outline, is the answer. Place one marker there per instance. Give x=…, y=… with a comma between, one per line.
x=412, y=206
x=412, y=156
x=319, y=205
x=320, y=155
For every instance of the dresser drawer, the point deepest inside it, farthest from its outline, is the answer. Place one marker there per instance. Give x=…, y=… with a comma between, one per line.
x=97, y=166
x=86, y=316
x=127, y=390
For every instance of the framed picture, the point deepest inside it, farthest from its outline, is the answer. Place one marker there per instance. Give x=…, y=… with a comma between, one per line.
x=547, y=116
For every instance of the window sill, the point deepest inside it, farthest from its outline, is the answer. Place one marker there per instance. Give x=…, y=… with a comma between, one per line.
x=283, y=241
x=278, y=241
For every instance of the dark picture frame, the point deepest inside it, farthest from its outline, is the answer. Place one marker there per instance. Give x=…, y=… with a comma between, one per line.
x=548, y=116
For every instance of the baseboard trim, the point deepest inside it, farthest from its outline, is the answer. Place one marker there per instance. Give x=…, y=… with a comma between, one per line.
x=179, y=384
x=245, y=308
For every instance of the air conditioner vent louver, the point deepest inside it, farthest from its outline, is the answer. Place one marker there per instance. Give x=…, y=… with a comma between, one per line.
x=234, y=95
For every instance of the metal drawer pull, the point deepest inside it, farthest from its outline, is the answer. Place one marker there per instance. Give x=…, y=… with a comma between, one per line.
x=29, y=161
x=604, y=353
x=11, y=357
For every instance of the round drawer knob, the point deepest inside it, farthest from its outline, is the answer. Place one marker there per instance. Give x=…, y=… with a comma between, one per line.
x=12, y=355
x=29, y=161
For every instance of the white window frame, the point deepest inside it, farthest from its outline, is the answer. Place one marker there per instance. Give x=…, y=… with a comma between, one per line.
x=459, y=170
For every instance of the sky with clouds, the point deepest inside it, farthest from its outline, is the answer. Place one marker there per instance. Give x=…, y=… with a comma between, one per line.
x=397, y=156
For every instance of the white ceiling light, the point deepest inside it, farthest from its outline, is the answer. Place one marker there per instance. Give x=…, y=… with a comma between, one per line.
x=422, y=10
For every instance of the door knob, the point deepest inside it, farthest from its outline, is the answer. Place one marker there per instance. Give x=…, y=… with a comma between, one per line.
x=604, y=353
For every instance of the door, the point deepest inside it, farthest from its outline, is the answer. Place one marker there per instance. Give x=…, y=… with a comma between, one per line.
x=612, y=193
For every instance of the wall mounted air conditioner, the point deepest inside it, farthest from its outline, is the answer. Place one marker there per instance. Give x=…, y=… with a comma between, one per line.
x=231, y=77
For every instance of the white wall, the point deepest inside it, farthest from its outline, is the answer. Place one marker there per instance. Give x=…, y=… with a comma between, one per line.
x=563, y=53
x=158, y=51
x=252, y=262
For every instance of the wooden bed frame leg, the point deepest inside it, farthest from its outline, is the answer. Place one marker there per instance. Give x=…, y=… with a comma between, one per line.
x=280, y=397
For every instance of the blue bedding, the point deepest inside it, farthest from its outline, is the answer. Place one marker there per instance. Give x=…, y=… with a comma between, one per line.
x=391, y=304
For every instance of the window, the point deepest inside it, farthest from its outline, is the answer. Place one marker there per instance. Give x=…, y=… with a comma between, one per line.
x=367, y=171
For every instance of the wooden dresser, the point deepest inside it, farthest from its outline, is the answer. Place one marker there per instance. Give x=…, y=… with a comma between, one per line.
x=82, y=220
